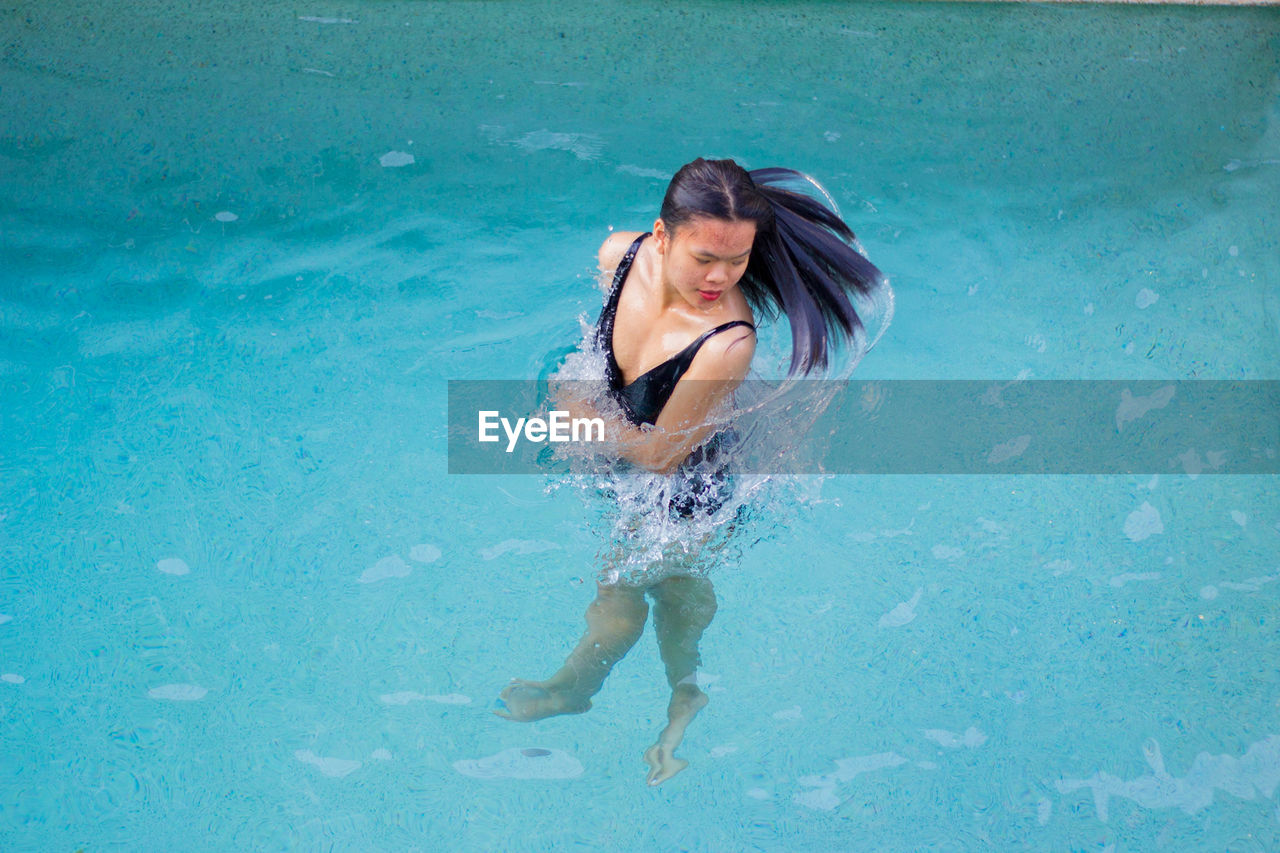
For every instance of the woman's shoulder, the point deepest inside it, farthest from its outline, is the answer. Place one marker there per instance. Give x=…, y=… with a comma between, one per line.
x=614, y=247
x=726, y=354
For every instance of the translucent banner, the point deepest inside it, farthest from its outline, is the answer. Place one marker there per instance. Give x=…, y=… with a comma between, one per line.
x=1191, y=427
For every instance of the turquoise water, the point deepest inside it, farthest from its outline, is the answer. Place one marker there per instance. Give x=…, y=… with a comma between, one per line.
x=244, y=606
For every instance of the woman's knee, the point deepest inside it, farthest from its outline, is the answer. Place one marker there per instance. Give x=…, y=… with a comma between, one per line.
x=618, y=610
x=686, y=594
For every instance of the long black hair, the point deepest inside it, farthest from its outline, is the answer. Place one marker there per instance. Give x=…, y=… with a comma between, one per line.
x=802, y=262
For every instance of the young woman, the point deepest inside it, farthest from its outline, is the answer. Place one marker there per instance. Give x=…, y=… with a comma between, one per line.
x=677, y=336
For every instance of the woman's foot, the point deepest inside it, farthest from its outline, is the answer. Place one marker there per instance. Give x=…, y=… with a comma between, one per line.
x=525, y=701
x=686, y=701
x=663, y=763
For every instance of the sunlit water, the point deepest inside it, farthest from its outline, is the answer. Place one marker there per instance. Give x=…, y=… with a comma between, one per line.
x=244, y=246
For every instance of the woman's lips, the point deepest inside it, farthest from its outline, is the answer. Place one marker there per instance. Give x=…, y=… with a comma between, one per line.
x=710, y=295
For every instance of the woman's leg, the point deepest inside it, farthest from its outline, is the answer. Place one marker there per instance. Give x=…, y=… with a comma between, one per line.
x=682, y=609
x=615, y=621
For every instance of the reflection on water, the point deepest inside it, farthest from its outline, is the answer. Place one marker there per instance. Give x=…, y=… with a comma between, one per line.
x=1252, y=775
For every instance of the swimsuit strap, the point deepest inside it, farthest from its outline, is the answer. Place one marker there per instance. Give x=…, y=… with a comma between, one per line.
x=619, y=276
x=624, y=266
x=686, y=355
x=604, y=326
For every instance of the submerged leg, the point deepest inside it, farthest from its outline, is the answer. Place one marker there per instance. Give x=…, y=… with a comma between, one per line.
x=615, y=621
x=682, y=609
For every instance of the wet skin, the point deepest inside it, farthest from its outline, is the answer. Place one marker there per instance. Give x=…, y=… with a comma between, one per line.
x=683, y=607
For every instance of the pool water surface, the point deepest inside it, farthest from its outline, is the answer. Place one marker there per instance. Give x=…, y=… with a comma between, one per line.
x=245, y=246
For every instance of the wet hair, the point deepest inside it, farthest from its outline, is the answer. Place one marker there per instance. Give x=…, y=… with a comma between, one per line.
x=802, y=262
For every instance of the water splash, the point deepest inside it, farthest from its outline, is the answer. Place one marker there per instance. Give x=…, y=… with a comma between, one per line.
x=686, y=523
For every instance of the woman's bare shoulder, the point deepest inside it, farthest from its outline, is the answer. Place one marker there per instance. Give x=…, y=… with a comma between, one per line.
x=614, y=247
x=726, y=355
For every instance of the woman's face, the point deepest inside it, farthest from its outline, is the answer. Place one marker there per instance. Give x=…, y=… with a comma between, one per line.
x=704, y=258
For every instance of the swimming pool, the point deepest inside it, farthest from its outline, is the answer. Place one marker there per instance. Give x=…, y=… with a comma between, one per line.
x=244, y=247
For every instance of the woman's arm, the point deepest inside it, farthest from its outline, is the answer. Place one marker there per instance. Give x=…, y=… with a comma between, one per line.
x=685, y=421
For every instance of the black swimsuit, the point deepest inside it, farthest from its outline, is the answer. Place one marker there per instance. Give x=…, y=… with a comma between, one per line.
x=643, y=400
